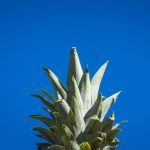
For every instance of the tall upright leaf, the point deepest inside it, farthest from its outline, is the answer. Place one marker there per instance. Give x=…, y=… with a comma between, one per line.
x=75, y=68
x=85, y=90
x=74, y=91
x=69, y=139
x=79, y=121
x=96, y=81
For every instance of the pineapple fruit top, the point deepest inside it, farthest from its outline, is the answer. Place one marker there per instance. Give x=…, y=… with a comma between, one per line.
x=77, y=112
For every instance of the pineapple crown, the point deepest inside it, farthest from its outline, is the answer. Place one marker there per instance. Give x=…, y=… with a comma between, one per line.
x=77, y=113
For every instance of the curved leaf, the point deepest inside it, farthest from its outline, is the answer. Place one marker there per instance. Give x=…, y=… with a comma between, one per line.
x=45, y=120
x=44, y=101
x=85, y=90
x=45, y=92
x=46, y=133
x=55, y=82
x=96, y=81
x=107, y=103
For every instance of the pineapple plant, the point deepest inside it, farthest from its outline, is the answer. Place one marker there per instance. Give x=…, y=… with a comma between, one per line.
x=77, y=113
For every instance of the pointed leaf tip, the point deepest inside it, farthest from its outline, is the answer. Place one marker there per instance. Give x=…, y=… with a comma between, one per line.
x=115, y=96
x=107, y=103
x=73, y=51
x=96, y=81
x=107, y=61
x=112, y=116
x=74, y=67
x=73, y=48
x=45, y=68
x=86, y=69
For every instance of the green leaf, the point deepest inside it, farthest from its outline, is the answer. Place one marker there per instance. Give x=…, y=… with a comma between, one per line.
x=58, y=132
x=119, y=124
x=69, y=139
x=62, y=107
x=43, y=137
x=85, y=90
x=46, y=133
x=74, y=68
x=93, y=125
x=47, y=94
x=96, y=81
x=79, y=121
x=44, y=101
x=55, y=82
x=114, y=142
x=67, y=134
x=74, y=91
x=107, y=103
x=95, y=109
x=49, y=122
x=56, y=147
x=85, y=146
x=58, y=95
x=60, y=118
x=108, y=123
x=96, y=143
x=112, y=133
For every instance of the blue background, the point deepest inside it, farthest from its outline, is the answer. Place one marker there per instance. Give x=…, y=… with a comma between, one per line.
x=35, y=33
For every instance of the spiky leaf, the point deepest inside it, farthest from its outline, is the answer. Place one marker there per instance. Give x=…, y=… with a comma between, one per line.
x=74, y=91
x=45, y=120
x=56, y=82
x=79, y=121
x=62, y=107
x=107, y=103
x=44, y=101
x=85, y=90
x=96, y=109
x=96, y=81
x=49, y=135
x=69, y=139
x=108, y=123
x=75, y=68
x=46, y=93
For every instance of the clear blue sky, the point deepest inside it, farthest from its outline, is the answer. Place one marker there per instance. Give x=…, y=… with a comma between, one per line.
x=35, y=33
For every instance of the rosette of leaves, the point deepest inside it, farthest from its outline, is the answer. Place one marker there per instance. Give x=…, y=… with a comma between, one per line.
x=77, y=113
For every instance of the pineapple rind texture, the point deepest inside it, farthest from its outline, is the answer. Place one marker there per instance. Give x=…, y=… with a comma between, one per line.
x=77, y=113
